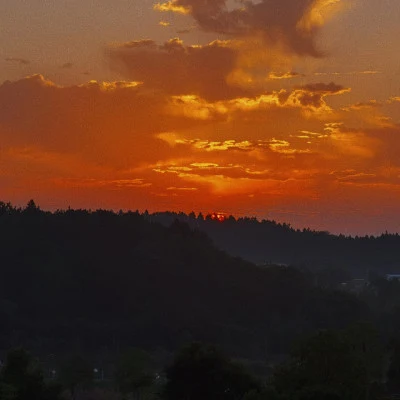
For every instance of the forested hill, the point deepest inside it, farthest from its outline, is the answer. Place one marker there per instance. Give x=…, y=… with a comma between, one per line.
x=273, y=243
x=100, y=281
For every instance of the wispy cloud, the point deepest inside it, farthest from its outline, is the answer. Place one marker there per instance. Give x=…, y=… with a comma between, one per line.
x=21, y=61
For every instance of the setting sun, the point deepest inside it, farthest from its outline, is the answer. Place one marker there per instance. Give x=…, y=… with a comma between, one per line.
x=221, y=217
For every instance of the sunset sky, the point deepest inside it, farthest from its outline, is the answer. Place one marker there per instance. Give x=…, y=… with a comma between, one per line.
x=280, y=109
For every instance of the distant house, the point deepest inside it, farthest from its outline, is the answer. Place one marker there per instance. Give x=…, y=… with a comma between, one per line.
x=354, y=286
x=269, y=264
x=392, y=277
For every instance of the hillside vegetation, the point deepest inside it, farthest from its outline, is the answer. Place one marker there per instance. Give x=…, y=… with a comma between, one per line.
x=78, y=280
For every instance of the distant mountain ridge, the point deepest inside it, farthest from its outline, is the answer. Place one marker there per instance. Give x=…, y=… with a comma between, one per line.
x=270, y=242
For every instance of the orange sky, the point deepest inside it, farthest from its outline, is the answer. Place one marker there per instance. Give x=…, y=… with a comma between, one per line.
x=283, y=109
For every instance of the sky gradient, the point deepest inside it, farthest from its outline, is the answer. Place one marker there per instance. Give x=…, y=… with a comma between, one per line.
x=280, y=109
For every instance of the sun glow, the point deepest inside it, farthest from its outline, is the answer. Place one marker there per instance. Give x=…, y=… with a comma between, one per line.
x=218, y=216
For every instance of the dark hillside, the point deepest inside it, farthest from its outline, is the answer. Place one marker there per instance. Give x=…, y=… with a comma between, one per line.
x=98, y=280
x=270, y=242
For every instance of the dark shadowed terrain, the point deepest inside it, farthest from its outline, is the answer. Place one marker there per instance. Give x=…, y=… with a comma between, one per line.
x=90, y=280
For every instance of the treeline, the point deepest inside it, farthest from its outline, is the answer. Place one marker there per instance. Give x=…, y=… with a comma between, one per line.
x=267, y=241
x=348, y=364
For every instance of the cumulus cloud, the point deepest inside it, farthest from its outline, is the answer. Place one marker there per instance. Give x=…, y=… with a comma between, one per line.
x=363, y=105
x=323, y=88
x=124, y=124
x=137, y=44
x=367, y=72
x=172, y=6
x=263, y=40
x=313, y=94
x=293, y=23
x=284, y=75
x=308, y=99
x=178, y=69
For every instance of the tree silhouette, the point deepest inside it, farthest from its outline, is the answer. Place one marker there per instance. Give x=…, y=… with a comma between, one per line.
x=31, y=208
x=134, y=373
x=202, y=372
x=330, y=365
x=76, y=374
x=22, y=379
